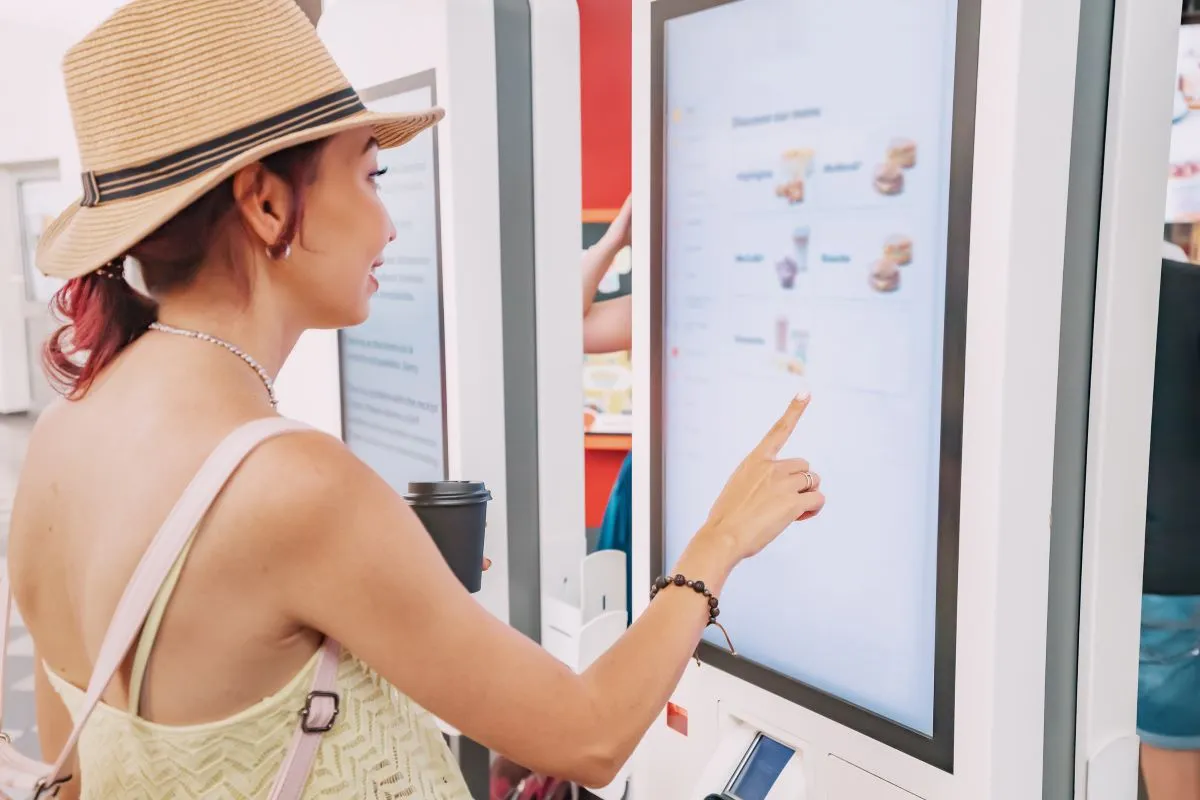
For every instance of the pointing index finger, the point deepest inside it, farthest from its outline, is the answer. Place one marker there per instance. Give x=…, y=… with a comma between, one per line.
x=781, y=431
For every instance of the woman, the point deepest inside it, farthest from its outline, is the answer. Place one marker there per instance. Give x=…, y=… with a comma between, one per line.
x=228, y=157
x=608, y=328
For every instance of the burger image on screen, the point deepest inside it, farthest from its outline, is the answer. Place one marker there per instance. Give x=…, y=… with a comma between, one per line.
x=885, y=276
x=889, y=179
x=903, y=153
x=899, y=248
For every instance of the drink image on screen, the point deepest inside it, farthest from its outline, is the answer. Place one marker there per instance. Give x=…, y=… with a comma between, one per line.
x=800, y=345
x=885, y=276
x=800, y=238
x=787, y=269
x=795, y=171
x=899, y=248
x=455, y=515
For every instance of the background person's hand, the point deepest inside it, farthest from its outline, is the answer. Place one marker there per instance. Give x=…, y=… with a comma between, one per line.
x=765, y=495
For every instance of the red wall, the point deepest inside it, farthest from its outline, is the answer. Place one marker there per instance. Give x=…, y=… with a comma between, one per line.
x=606, y=67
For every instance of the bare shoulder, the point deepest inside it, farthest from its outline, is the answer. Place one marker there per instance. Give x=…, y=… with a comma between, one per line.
x=300, y=484
x=49, y=425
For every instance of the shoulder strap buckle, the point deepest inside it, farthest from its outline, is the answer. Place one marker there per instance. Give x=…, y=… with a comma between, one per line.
x=320, y=719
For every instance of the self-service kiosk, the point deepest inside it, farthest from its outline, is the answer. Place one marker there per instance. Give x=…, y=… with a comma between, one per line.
x=870, y=201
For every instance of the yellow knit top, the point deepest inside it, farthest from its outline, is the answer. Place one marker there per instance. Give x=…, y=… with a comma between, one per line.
x=383, y=746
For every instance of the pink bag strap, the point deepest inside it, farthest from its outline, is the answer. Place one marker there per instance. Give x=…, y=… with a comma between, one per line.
x=4, y=587
x=322, y=707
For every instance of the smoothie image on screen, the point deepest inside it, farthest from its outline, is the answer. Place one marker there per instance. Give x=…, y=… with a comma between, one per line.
x=799, y=356
x=791, y=347
x=786, y=270
x=800, y=238
x=782, y=329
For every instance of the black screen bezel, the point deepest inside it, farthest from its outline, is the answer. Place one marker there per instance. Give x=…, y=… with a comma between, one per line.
x=420, y=80
x=938, y=749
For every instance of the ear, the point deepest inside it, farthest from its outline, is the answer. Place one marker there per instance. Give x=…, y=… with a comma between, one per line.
x=264, y=201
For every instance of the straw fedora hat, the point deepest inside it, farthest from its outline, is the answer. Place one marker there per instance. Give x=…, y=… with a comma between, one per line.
x=171, y=97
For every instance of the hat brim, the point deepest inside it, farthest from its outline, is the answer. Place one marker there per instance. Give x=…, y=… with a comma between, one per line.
x=81, y=240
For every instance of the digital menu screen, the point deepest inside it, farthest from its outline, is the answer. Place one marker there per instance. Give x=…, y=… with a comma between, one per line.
x=393, y=366
x=806, y=150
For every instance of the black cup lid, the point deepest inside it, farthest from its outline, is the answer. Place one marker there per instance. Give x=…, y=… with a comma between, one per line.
x=447, y=492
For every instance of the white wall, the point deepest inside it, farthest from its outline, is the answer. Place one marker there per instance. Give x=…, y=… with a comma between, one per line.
x=35, y=126
x=35, y=122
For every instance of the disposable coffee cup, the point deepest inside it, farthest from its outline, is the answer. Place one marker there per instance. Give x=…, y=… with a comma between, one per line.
x=455, y=514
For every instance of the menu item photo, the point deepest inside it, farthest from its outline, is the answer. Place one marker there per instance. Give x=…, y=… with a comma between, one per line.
x=899, y=248
x=795, y=169
x=787, y=270
x=889, y=179
x=885, y=276
x=800, y=237
x=903, y=153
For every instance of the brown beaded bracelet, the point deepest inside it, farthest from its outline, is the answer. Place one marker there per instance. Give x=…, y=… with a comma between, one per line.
x=714, y=605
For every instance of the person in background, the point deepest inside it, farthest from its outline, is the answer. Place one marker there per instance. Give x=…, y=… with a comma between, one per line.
x=608, y=324
x=1168, y=714
x=608, y=328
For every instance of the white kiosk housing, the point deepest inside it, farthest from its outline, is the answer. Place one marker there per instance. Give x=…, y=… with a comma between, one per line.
x=907, y=212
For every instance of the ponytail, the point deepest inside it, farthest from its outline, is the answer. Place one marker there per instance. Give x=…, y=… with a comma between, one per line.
x=103, y=316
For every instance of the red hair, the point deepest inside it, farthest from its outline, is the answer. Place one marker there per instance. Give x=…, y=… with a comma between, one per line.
x=103, y=315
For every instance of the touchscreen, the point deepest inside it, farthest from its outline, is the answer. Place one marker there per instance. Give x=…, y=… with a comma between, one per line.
x=392, y=365
x=807, y=149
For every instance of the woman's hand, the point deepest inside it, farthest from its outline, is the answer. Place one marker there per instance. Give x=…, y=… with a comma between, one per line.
x=765, y=495
x=487, y=563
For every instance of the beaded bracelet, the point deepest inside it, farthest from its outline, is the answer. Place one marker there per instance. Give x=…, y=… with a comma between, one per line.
x=714, y=605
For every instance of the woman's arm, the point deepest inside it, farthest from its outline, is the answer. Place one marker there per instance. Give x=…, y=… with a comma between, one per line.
x=351, y=560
